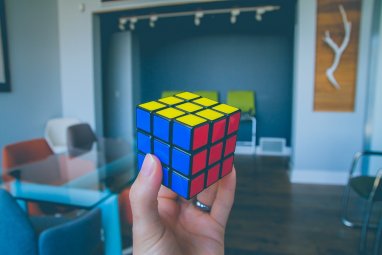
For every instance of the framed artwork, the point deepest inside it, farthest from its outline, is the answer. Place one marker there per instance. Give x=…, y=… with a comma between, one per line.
x=336, y=55
x=5, y=84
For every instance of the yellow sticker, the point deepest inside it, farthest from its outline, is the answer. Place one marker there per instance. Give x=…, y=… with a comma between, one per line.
x=187, y=95
x=205, y=101
x=225, y=108
x=189, y=107
x=170, y=113
x=152, y=106
x=191, y=120
x=210, y=114
x=170, y=100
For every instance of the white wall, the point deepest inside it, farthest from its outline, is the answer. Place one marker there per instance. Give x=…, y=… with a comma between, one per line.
x=376, y=141
x=324, y=142
x=76, y=59
x=34, y=67
x=374, y=122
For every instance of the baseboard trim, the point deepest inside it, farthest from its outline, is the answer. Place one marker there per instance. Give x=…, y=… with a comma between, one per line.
x=245, y=150
x=286, y=152
x=322, y=176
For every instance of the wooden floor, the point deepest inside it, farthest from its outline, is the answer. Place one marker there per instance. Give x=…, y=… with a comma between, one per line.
x=272, y=216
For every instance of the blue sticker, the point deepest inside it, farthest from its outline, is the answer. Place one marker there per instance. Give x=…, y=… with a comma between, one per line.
x=166, y=176
x=161, y=128
x=141, y=158
x=181, y=136
x=162, y=151
x=143, y=120
x=181, y=161
x=143, y=142
x=179, y=185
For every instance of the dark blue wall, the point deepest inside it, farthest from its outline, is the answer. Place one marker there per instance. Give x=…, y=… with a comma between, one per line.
x=220, y=56
x=217, y=55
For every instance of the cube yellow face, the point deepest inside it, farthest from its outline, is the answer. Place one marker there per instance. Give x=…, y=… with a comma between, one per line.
x=205, y=101
x=170, y=113
x=187, y=95
x=152, y=106
x=193, y=137
x=210, y=114
x=189, y=107
x=225, y=108
x=171, y=100
x=191, y=120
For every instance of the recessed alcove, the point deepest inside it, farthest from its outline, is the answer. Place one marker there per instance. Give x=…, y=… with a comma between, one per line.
x=216, y=55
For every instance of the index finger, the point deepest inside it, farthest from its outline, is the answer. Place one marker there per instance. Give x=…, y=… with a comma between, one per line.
x=225, y=196
x=165, y=192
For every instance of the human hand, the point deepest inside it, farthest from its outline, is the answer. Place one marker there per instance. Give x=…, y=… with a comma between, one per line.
x=164, y=223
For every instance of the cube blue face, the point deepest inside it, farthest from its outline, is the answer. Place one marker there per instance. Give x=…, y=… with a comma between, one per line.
x=193, y=137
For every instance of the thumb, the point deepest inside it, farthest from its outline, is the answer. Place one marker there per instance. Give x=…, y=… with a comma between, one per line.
x=143, y=198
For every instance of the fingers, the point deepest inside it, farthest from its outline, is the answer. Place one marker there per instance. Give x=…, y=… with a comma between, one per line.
x=165, y=192
x=224, y=198
x=208, y=195
x=143, y=197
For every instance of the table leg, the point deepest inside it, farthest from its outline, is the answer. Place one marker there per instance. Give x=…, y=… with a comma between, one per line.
x=24, y=205
x=15, y=189
x=111, y=226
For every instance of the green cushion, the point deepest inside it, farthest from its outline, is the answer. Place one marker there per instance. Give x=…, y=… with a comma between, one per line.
x=169, y=93
x=213, y=95
x=242, y=99
x=363, y=185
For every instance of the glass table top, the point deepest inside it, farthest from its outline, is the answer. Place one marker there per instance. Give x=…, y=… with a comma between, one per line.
x=80, y=178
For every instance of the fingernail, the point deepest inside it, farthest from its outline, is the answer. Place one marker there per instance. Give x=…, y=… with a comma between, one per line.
x=148, y=165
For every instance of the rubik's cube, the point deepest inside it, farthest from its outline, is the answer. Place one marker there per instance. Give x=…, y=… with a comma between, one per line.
x=193, y=137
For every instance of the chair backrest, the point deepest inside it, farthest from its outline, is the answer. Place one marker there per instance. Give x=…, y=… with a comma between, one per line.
x=168, y=93
x=213, y=95
x=55, y=130
x=242, y=99
x=77, y=237
x=16, y=232
x=25, y=152
x=80, y=136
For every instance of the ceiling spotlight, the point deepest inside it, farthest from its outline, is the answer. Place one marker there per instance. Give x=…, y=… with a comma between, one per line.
x=122, y=24
x=259, y=14
x=153, y=19
x=234, y=14
x=133, y=21
x=198, y=16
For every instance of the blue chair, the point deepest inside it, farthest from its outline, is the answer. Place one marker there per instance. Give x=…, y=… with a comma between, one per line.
x=16, y=231
x=81, y=235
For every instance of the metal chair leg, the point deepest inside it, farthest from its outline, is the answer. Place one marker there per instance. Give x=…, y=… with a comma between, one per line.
x=344, y=209
x=365, y=227
x=344, y=212
x=377, y=242
x=346, y=195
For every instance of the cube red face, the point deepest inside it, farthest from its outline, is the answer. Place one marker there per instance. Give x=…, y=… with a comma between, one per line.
x=193, y=137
